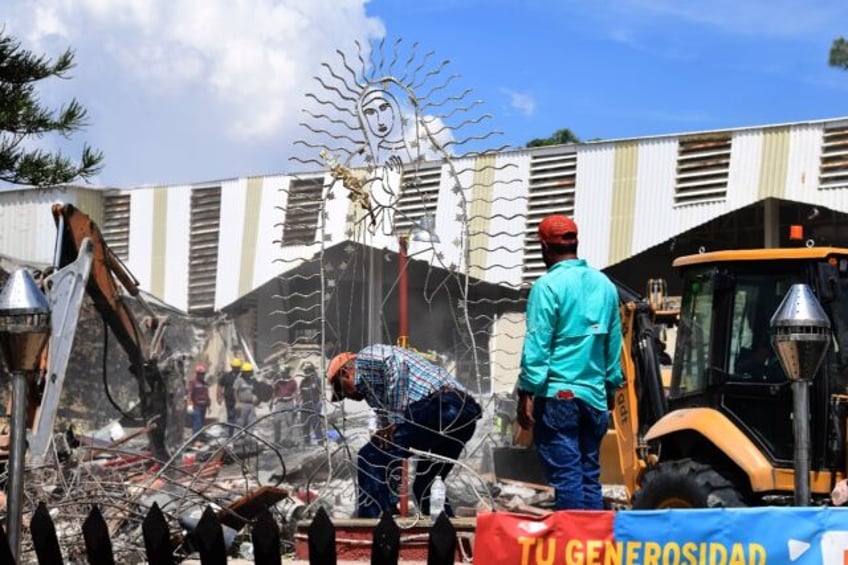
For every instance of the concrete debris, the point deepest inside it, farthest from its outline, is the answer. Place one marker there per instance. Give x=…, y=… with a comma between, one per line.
x=247, y=507
x=238, y=473
x=101, y=456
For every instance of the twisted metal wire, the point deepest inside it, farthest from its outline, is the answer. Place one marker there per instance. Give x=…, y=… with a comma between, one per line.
x=340, y=140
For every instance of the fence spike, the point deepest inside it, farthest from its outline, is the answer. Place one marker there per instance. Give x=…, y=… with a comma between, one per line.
x=385, y=549
x=44, y=538
x=441, y=546
x=157, y=537
x=322, y=539
x=266, y=540
x=95, y=532
x=6, y=557
x=209, y=539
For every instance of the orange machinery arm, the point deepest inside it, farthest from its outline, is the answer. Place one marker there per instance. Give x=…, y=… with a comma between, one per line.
x=140, y=341
x=641, y=401
x=74, y=226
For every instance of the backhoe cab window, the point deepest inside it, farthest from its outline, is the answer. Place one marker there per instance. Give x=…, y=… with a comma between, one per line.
x=693, y=338
x=839, y=326
x=751, y=356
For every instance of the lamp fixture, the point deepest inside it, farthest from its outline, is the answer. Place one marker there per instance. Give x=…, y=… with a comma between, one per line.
x=424, y=230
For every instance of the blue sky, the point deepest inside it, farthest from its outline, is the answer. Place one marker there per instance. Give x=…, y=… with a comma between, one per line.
x=627, y=68
x=182, y=91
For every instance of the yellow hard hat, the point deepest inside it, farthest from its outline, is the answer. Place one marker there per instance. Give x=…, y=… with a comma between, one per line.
x=246, y=368
x=235, y=363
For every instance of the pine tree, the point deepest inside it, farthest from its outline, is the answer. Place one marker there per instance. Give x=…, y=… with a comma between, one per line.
x=22, y=117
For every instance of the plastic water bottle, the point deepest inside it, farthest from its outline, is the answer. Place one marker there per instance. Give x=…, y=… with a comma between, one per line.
x=437, y=498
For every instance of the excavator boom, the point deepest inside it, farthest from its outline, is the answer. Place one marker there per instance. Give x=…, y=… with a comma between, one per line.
x=82, y=259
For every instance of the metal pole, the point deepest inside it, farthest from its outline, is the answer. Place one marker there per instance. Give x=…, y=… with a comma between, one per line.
x=771, y=223
x=801, y=428
x=403, y=292
x=16, y=461
x=403, y=341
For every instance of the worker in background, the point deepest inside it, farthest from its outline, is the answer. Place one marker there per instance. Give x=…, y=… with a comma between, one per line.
x=245, y=398
x=199, y=397
x=311, y=401
x=419, y=405
x=225, y=393
x=570, y=366
x=284, y=407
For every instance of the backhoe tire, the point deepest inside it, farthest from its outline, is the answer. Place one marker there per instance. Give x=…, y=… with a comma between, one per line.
x=685, y=484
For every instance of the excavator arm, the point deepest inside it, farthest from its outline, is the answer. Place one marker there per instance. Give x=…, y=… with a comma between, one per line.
x=83, y=260
x=641, y=401
x=107, y=272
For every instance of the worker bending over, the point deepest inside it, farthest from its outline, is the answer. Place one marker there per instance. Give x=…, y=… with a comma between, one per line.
x=419, y=405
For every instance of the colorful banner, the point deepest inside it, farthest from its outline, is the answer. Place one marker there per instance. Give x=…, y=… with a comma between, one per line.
x=739, y=536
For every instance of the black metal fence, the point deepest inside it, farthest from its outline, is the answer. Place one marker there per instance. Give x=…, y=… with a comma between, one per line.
x=385, y=546
x=207, y=539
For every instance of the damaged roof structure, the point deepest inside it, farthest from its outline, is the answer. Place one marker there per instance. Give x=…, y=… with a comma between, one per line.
x=290, y=309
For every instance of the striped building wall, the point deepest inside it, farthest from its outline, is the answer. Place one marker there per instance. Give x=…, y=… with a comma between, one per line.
x=27, y=229
x=160, y=225
x=627, y=197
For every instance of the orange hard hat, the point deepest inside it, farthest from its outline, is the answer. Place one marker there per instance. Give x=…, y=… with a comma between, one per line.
x=335, y=366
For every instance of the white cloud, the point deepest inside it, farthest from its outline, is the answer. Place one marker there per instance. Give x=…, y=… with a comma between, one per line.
x=248, y=59
x=46, y=23
x=435, y=145
x=521, y=101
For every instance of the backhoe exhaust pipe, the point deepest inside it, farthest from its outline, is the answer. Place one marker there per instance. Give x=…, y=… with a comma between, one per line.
x=800, y=335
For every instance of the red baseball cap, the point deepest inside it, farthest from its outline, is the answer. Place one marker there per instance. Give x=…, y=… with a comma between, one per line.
x=557, y=228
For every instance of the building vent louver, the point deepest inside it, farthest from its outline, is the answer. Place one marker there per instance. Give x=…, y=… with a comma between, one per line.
x=703, y=165
x=553, y=177
x=302, y=210
x=419, y=195
x=116, y=224
x=833, y=169
x=203, y=249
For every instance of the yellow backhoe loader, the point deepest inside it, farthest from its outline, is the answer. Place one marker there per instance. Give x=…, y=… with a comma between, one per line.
x=722, y=433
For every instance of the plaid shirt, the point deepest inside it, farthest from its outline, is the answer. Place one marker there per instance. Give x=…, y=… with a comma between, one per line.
x=391, y=378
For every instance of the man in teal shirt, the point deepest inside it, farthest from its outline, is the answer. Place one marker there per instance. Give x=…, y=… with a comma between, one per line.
x=570, y=365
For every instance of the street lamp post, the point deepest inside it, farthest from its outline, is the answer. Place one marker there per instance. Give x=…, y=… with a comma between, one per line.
x=800, y=336
x=24, y=329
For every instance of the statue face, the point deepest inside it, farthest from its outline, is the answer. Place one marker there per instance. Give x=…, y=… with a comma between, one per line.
x=379, y=113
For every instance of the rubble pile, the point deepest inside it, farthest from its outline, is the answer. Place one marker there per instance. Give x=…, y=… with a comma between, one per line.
x=99, y=386
x=101, y=456
x=237, y=476
x=113, y=470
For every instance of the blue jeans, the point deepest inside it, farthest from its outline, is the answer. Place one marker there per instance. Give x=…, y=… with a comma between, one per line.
x=568, y=435
x=442, y=423
x=198, y=415
x=310, y=417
